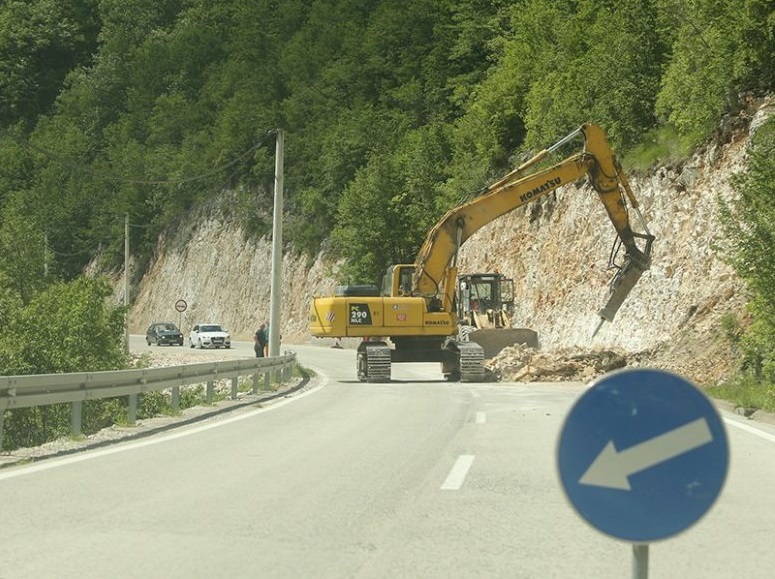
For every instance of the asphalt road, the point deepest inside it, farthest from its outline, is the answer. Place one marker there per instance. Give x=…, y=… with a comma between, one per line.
x=416, y=478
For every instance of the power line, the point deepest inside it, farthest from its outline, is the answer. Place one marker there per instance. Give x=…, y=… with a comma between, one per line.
x=78, y=166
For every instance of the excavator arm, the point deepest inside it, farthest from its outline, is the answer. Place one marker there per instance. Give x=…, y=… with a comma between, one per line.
x=435, y=266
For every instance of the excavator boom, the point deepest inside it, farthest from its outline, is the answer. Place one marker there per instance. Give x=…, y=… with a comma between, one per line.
x=597, y=161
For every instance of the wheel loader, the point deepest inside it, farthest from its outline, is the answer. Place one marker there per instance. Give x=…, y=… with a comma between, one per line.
x=485, y=311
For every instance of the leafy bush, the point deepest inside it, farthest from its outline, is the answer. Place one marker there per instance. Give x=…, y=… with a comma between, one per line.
x=25, y=427
x=69, y=327
x=152, y=404
x=749, y=227
x=192, y=396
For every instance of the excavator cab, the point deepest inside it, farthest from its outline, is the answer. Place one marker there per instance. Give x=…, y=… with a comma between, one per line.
x=397, y=280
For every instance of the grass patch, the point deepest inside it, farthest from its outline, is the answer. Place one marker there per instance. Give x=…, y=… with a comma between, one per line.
x=747, y=392
x=141, y=361
x=193, y=396
x=301, y=372
x=662, y=146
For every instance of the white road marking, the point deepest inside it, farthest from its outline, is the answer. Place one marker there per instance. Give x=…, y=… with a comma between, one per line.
x=14, y=472
x=457, y=475
x=481, y=417
x=751, y=429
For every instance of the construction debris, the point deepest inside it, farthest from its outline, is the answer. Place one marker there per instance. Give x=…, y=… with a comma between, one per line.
x=522, y=363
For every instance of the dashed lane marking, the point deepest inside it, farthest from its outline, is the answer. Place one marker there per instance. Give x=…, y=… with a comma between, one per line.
x=457, y=476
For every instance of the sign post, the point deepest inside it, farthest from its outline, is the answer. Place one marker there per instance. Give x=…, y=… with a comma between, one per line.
x=642, y=456
x=180, y=307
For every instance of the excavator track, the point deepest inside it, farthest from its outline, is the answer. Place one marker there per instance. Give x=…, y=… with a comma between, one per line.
x=471, y=362
x=468, y=364
x=373, y=363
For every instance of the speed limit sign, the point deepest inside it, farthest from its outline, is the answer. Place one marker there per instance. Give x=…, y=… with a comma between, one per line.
x=181, y=306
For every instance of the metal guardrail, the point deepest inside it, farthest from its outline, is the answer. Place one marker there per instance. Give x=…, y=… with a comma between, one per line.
x=46, y=389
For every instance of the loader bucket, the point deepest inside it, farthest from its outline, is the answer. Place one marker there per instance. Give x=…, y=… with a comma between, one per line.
x=493, y=340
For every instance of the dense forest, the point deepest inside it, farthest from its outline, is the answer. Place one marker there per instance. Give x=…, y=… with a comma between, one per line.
x=393, y=110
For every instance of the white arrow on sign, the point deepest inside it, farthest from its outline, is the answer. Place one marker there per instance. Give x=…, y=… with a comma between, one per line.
x=611, y=469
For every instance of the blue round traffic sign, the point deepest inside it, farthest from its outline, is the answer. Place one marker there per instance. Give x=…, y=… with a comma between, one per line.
x=642, y=455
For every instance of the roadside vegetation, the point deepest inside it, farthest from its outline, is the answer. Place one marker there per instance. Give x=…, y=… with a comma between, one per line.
x=393, y=110
x=749, y=224
x=746, y=392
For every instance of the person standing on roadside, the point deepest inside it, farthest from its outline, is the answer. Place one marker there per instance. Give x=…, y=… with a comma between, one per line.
x=266, y=338
x=260, y=341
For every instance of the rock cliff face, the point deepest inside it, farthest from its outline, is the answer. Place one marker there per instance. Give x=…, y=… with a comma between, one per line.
x=556, y=250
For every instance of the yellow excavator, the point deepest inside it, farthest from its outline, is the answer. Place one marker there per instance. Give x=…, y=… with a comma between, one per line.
x=415, y=310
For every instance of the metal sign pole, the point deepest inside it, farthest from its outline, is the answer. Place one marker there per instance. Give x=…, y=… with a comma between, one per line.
x=640, y=561
x=180, y=307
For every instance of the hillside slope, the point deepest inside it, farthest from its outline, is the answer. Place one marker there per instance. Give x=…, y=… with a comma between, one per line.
x=556, y=251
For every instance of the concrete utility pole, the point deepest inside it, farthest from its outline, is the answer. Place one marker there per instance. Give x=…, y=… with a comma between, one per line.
x=126, y=283
x=275, y=297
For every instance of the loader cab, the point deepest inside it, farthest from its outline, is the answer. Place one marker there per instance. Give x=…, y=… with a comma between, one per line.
x=480, y=293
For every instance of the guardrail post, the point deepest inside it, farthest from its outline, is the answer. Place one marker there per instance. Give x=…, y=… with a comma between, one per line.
x=2, y=417
x=234, y=384
x=209, y=396
x=267, y=380
x=131, y=410
x=75, y=418
x=255, y=383
x=176, y=399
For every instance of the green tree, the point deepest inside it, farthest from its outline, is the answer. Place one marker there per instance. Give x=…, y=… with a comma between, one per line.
x=488, y=90
x=606, y=70
x=719, y=48
x=392, y=203
x=749, y=227
x=23, y=252
x=41, y=41
x=68, y=327
x=65, y=195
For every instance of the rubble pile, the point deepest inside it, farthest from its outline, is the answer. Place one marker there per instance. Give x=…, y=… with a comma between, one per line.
x=521, y=363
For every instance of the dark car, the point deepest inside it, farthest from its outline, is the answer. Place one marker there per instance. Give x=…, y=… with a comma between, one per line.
x=164, y=333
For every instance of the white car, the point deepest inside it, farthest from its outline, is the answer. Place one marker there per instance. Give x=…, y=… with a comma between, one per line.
x=209, y=336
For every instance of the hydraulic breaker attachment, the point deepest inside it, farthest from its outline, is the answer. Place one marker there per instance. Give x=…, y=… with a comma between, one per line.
x=624, y=280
